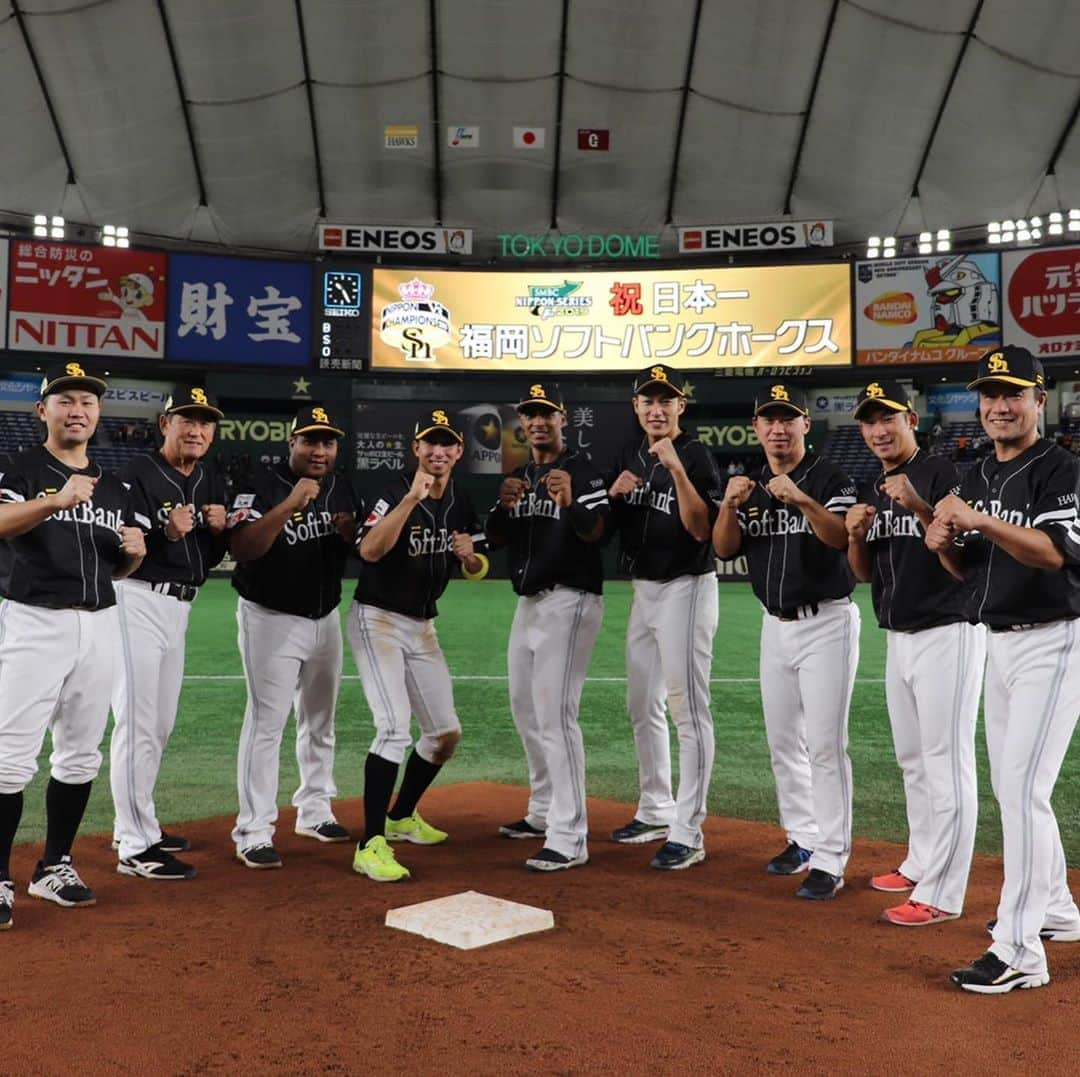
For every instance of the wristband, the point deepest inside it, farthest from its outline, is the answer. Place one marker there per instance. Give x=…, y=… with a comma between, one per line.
x=481, y=572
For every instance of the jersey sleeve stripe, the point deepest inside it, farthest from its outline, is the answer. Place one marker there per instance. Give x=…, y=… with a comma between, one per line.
x=143, y=521
x=835, y=503
x=1058, y=516
x=10, y=495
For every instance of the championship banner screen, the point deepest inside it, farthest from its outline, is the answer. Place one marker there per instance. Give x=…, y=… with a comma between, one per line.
x=594, y=322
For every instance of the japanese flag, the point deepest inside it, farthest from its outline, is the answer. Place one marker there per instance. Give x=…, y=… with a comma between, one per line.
x=530, y=138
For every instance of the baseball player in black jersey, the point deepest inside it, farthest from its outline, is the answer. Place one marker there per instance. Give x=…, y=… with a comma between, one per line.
x=185, y=503
x=790, y=524
x=69, y=531
x=664, y=498
x=290, y=533
x=551, y=515
x=419, y=528
x=934, y=657
x=1013, y=535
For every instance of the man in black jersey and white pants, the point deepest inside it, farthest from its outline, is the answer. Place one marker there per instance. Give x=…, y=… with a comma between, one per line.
x=69, y=531
x=551, y=515
x=790, y=524
x=290, y=534
x=1013, y=535
x=419, y=529
x=185, y=503
x=664, y=498
x=934, y=657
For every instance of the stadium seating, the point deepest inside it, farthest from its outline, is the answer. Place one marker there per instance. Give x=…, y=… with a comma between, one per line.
x=845, y=448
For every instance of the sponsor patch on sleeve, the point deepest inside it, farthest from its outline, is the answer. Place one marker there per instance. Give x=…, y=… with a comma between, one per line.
x=378, y=511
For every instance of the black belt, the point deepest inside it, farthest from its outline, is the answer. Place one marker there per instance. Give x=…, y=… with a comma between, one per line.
x=1017, y=628
x=796, y=613
x=186, y=592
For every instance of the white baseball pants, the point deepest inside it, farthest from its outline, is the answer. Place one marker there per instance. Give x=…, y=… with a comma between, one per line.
x=1031, y=704
x=403, y=672
x=551, y=643
x=290, y=663
x=932, y=684
x=146, y=692
x=807, y=676
x=56, y=672
x=669, y=641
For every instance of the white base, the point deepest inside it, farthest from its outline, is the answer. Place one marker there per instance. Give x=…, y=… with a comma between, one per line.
x=470, y=919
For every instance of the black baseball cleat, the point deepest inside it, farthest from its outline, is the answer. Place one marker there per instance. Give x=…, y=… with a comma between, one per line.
x=820, y=886
x=173, y=843
x=637, y=833
x=1047, y=934
x=259, y=857
x=156, y=863
x=550, y=860
x=521, y=829
x=674, y=856
x=60, y=883
x=989, y=975
x=791, y=861
x=329, y=830
x=7, y=904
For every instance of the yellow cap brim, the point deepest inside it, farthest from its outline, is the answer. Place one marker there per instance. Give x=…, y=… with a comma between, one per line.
x=1024, y=383
x=441, y=429
x=183, y=409
x=658, y=381
x=781, y=404
x=320, y=428
x=883, y=401
x=543, y=403
x=80, y=381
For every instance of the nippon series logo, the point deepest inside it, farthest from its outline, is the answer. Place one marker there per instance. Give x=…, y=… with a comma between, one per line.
x=555, y=300
x=418, y=324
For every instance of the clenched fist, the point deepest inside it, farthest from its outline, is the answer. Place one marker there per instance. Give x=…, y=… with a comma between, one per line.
x=462, y=545
x=560, y=487
x=783, y=488
x=303, y=493
x=132, y=542
x=956, y=514
x=421, y=486
x=625, y=484
x=664, y=451
x=214, y=518
x=345, y=525
x=181, y=521
x=511, y=492
x=738, y=489
x=899, y=488
x=859, y=520
x=76, y=491
x=939, y=536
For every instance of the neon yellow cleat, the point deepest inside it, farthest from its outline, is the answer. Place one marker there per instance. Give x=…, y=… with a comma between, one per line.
x=413, y=828
x=376, y=860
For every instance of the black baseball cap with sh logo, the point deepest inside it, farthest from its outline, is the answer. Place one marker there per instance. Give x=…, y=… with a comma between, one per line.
x=660, y=376
x=314, y=419
x=780, y=395
x=72, y=375
x=889, y=395
x=542, y=395
x=435, y=422
x=192, y=400
x=1011, y=365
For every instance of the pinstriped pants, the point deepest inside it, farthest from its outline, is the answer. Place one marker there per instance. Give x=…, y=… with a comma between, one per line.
x=669, y=642
x=551, y=643
x=807, y=675
x=1031, y=704
x=932, y=683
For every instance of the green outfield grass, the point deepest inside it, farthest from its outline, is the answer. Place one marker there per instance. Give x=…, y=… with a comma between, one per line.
x=198, y=775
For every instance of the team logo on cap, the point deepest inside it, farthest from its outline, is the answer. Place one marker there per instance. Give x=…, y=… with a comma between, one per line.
x=198, y=396
x=320, y=416
x=997, y=364
x=537, y=390
x=778, y=392
x=74, y=370
x=440, y=418
x=874, y=390
x=658, y=373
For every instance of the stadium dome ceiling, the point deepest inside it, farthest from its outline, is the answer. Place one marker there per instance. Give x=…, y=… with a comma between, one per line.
x=245, y=122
